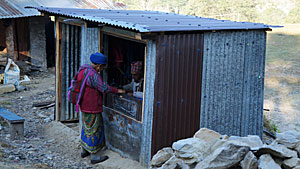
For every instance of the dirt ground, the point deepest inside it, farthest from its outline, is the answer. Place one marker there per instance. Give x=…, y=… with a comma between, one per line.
x=282, y=80
x=47, y=143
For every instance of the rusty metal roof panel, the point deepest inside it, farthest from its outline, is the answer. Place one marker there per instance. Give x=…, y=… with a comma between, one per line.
x=12, y=9
x=152, y=21
x=15, y=8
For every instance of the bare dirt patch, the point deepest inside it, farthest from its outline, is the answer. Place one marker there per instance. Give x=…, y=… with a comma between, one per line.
x=282, y=79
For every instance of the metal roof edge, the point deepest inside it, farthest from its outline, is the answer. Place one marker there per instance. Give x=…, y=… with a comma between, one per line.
x=140, y=28
x=275, y=26
x=19, y=16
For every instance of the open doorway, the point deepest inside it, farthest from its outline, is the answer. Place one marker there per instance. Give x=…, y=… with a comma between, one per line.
x=123, y=54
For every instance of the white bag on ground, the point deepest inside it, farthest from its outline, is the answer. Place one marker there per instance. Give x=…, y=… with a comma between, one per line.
x=11, y=73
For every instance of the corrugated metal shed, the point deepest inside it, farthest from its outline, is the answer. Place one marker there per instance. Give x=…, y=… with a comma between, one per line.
x=15, y=8
x=205, y=73
x=152, y=21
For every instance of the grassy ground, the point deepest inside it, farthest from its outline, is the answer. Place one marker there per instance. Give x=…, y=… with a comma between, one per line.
x=282, y=80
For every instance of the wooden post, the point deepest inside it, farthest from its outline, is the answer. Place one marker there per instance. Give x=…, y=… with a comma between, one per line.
x=17, y=131
x=57, y=72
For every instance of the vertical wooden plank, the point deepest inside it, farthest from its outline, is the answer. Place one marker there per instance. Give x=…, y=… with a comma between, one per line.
x=57, y=71
x=67, y=70
x=65, y=54
x=74, y=67
x=71, y=63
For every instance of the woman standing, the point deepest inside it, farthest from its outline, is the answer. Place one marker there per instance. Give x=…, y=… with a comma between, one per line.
x=92, y=133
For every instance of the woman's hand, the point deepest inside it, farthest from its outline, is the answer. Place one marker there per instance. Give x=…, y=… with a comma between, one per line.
x=121, y=91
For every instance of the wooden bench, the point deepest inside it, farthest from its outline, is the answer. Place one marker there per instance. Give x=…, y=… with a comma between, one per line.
x=16, y=123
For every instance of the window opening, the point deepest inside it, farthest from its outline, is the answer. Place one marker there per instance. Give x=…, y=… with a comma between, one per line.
x=125, y=69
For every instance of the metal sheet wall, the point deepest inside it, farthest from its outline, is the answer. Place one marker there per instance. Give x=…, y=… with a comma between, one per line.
x=71, y=42
x=176, y=113
x=145, y=155
x=89, y=44
x=233, y=82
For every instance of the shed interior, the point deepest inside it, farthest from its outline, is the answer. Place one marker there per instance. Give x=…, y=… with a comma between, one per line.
x=121, y=53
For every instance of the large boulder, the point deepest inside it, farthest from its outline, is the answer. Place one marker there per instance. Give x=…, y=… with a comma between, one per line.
x=249, y=161
x=7, y=88
x=291, y=163
x=290, y=139
x=277, y=150
x=298, y=149
x=161, y=157
x=191, y=150
x=266, y=162
x=174, y=163
x=252, y=141
x=224, y=157
x=207, y=135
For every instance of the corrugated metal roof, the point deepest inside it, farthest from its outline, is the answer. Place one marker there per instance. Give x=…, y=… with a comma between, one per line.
x=152, y=21
x=15, y=8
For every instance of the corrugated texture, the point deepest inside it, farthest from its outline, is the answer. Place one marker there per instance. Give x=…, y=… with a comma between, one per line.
x=89, y=44
x=151, y=21
x=77, y=45
x=176, y=113
x=148, y=103
x=71, y=39
x=233, y=82
x=15, y=8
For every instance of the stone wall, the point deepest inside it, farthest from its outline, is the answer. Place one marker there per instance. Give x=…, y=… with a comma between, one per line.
x=9, y=35
x=122, y=134
x=38, y=41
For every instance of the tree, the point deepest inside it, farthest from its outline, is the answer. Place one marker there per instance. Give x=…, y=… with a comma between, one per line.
x=272, y=15
x=294, y=14
x=223, y=9
x=266, y=11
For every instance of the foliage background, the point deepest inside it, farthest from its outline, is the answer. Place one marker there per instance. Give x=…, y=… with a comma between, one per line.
x=266, y=11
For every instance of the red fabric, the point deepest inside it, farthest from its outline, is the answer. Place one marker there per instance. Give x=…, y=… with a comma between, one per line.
x=136, y=67
x=91, y=101
x=118, y=55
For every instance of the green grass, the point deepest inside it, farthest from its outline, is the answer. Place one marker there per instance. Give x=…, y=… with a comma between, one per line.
x=5, y=103
x=270, y=126
x=283, y=45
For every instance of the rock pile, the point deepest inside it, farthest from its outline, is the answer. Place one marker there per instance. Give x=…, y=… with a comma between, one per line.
x=211, y=150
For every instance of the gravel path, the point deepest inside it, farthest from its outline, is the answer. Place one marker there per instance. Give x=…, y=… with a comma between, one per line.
x=47, y=143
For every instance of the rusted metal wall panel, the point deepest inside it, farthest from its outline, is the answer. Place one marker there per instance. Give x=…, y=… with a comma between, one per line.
x=176, y=113
x=2, y=34
x=71, y=40
x=22, y=44
x=233, y=82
